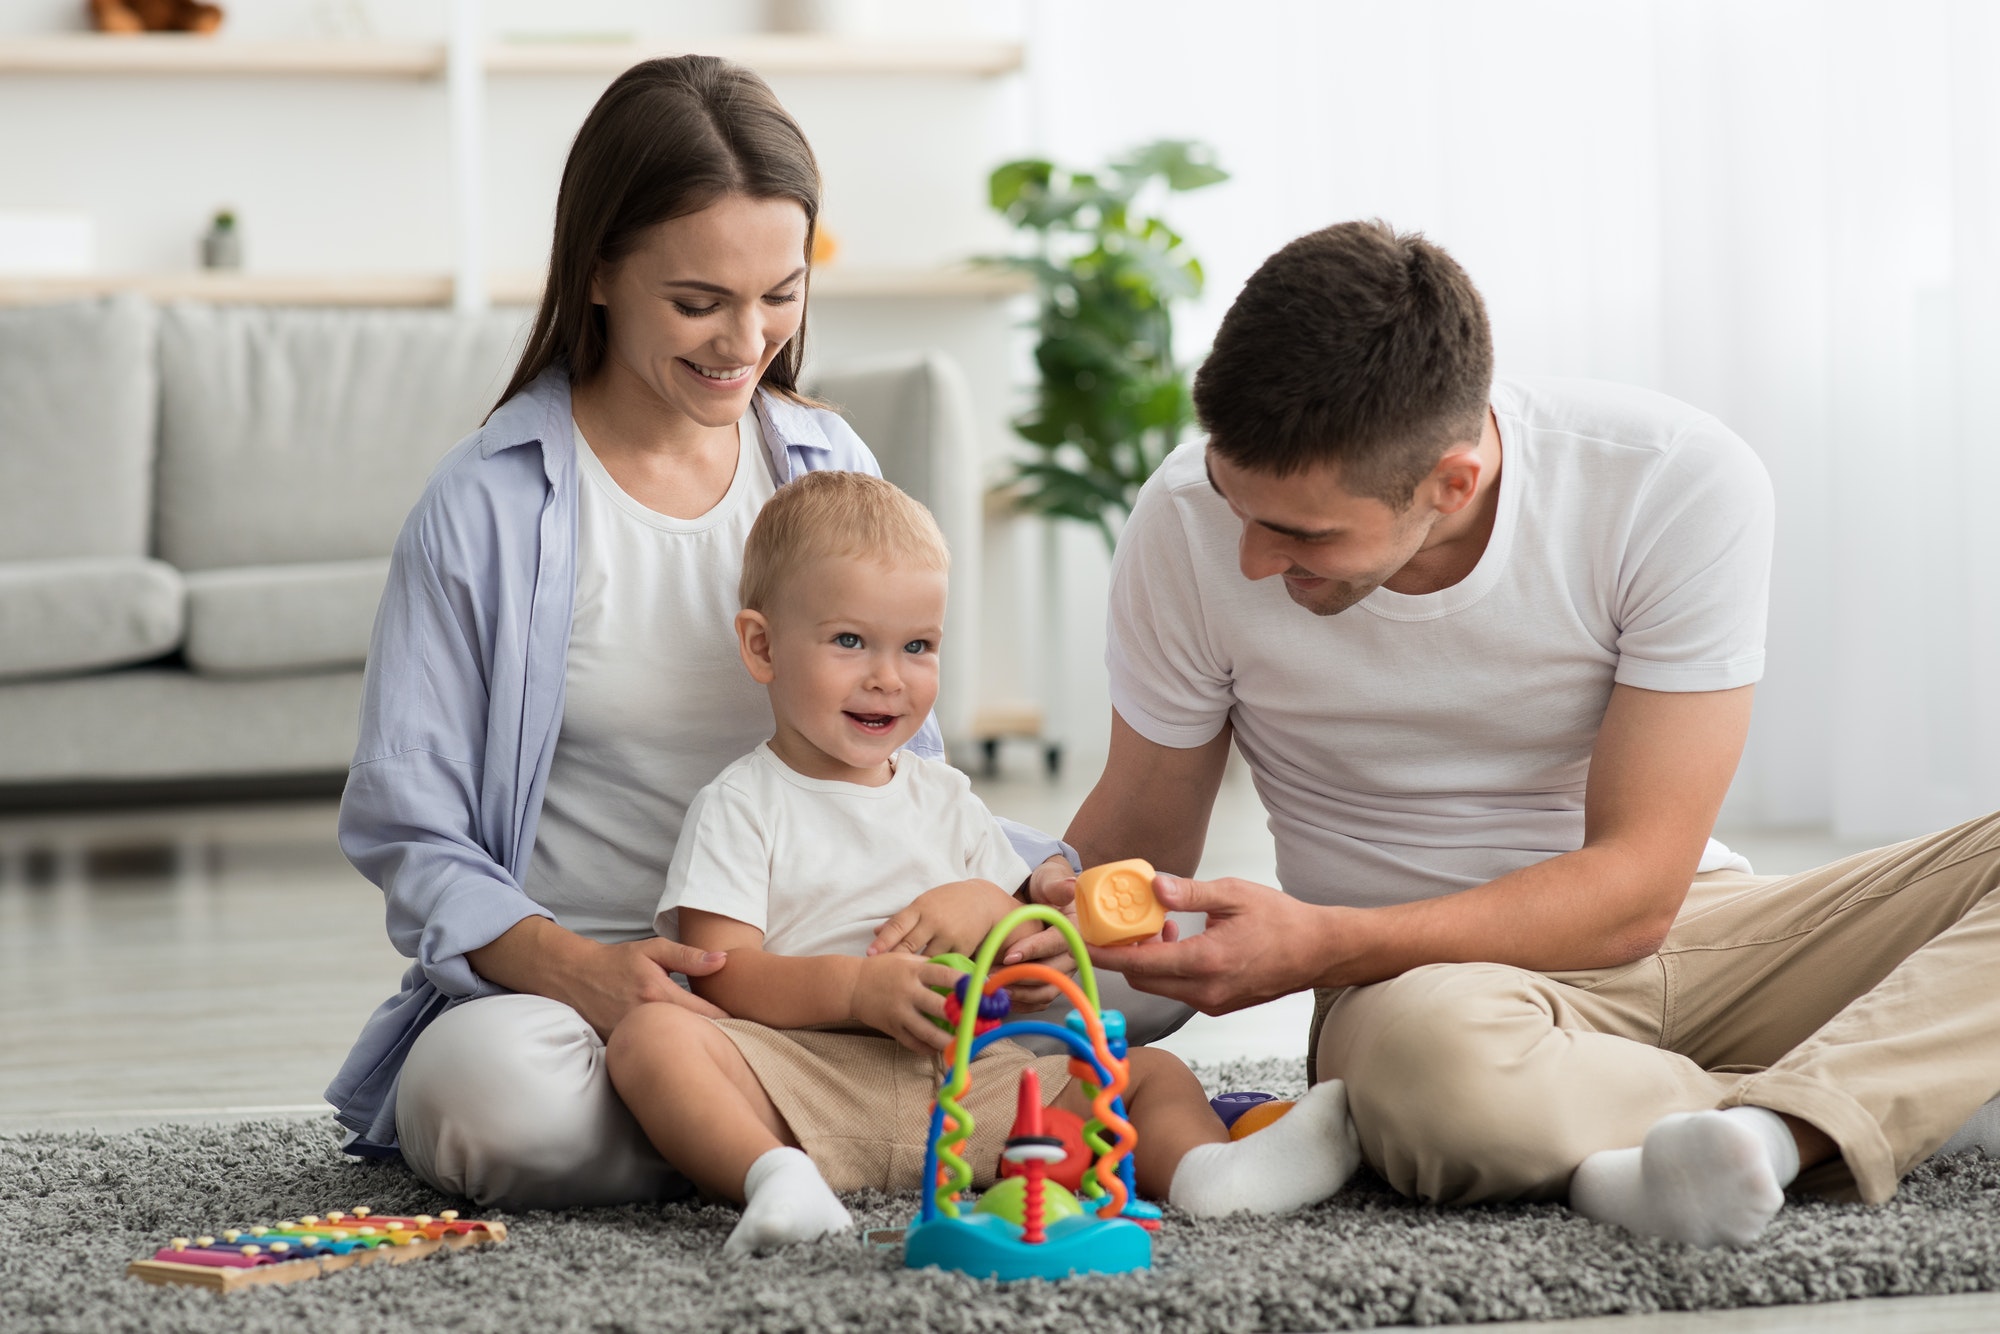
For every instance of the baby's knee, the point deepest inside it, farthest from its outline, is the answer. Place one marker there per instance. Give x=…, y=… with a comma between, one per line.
x=649, y=1030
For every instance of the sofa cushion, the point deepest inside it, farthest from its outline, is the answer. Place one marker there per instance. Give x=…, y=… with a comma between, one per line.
x=59, y=617
x=282, y=618
x=77, y=415
x=305, y=435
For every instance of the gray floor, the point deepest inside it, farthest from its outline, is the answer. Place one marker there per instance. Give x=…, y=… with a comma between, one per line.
x=214, y=963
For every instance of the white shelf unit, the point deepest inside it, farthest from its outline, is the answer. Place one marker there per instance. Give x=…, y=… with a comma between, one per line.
x=464, y=63
x=436, y=289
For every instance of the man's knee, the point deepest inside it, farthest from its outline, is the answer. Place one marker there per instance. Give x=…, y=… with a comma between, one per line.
x=1444, y=1106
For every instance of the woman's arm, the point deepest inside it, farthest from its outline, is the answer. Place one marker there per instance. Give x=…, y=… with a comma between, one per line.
x=890, y=993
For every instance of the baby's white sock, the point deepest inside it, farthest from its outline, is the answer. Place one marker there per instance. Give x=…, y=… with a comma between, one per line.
x=1705, y=1178
x=1301, y=1158
x=785, y=1199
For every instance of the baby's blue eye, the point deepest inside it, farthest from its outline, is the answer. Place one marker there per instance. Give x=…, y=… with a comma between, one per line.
x=848, y=640
x=917, y=646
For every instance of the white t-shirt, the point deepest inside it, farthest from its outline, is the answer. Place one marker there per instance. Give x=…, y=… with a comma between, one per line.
x=655, y=698
x=816, y=864
x=1411, y=746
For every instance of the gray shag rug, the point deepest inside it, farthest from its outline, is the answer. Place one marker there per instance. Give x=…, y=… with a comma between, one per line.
x=76, y=1206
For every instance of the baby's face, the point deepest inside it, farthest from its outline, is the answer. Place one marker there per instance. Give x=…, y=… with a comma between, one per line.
x=854, y=664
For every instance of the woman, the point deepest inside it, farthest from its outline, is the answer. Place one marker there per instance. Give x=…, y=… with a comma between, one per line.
x=554, y=674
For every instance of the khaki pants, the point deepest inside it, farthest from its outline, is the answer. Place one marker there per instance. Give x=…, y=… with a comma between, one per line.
x=1862, y=998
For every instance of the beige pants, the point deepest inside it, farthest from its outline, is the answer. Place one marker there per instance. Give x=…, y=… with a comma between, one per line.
x=1863, y=998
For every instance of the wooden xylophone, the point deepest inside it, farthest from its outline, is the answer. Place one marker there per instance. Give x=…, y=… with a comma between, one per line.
x=308, y=1247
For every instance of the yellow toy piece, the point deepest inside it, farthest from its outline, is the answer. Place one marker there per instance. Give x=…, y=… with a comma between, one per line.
x=1115, y=903
x=1259, y=1116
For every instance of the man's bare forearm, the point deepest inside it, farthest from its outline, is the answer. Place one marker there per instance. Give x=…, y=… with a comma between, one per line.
x=783, y=991
x=1594, y=908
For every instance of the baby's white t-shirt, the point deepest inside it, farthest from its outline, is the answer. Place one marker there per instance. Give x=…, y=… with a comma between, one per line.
x=656, y=699
x=1411, y=746
x=817, y=864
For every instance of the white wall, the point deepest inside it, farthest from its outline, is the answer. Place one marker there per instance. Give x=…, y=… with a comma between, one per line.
x=1787, y=212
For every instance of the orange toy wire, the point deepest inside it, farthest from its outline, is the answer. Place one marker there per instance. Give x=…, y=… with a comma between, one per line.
x=1106, y=1168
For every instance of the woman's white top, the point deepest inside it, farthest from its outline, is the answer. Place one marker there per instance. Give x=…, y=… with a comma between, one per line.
x=655, y=699
x=817, y=864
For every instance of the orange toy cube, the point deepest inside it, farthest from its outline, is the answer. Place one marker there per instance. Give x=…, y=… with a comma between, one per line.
x=1115, y=903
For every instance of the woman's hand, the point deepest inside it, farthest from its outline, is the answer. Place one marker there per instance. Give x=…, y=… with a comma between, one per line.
x=951, y=919
x=601, y=982
x=893, y=996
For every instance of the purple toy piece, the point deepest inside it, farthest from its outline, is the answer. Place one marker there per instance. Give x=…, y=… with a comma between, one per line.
x=1229, y=1106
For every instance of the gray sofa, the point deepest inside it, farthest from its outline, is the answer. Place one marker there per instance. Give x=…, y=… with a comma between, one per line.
x=197, y=505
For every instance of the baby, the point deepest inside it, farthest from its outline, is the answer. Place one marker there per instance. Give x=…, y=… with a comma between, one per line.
x=793, y=861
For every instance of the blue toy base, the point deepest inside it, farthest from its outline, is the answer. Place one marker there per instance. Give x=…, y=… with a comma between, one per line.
x=986, y=1246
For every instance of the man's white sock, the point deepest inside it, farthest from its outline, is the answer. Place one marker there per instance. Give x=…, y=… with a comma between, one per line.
x=785, y=1199
x=1705, y=1178
x=1301, y=1158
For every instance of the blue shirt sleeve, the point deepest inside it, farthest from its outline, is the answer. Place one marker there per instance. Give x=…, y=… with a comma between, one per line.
x=419, y=817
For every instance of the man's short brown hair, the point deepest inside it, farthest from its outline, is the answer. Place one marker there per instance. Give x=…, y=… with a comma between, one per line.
x=1356, y=346
x=829, y=515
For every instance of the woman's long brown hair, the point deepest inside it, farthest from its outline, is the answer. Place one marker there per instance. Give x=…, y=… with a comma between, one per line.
x=668, y=138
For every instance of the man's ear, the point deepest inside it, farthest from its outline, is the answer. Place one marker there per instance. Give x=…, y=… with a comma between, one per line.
x=1454, y=481
x=753, y=641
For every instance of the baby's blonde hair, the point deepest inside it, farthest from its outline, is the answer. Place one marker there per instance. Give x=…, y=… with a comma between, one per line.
x=827, y=515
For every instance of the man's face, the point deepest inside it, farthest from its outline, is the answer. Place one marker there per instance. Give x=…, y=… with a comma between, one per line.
x=1331, y=547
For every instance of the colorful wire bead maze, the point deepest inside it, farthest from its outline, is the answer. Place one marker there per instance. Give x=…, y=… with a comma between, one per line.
x=308, y=1247
x=1028, y=1225
x=1115, y=904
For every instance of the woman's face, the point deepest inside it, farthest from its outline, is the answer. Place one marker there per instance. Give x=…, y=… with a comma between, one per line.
x=697, y=312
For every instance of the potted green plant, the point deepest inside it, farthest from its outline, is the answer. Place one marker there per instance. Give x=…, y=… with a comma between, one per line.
x=1111, y=400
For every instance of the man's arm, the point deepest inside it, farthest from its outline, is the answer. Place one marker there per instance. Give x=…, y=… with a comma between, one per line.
x=1658, y=773
x=1152, y=801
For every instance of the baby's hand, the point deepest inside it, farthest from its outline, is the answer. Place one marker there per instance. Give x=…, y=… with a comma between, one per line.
x=951, y=919
x=893, y=996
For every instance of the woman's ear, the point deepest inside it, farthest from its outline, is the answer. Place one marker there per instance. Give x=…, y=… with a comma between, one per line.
x=753, y=641
x=597, y=279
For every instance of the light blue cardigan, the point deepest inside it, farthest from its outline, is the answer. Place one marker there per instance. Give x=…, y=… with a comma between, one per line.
x=462, y=702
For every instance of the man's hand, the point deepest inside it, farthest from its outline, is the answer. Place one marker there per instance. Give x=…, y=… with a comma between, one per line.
x=951, y=919
x=893, y=996
x=1260, y=944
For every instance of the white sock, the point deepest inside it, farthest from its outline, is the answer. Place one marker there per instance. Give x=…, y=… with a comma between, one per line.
x=785, y=1200
x=1301, y=1158
x=1705, y=1178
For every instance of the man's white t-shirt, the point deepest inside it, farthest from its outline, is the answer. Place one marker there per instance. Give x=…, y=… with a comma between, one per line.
x=1411, y=746
x=817, y=864
x=655, y=697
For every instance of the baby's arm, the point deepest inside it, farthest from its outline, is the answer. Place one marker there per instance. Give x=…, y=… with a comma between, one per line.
x=890, y=993
x=950, y=919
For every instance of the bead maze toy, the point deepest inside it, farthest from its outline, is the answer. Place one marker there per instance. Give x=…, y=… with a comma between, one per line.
x=1115, y=904
x=1028, y=1225
x=308, y=1247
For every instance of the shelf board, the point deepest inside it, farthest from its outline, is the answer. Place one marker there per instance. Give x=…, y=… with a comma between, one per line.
x=424, y=289
x=183, y=53
x=768, y=53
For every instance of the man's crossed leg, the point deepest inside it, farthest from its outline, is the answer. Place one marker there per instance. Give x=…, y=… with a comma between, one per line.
x=1856, y=1001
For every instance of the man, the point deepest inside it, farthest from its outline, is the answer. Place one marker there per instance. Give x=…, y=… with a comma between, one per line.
x=1489, y=651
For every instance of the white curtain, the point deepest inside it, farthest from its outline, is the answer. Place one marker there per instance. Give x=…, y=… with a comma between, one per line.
x=1784, y=211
